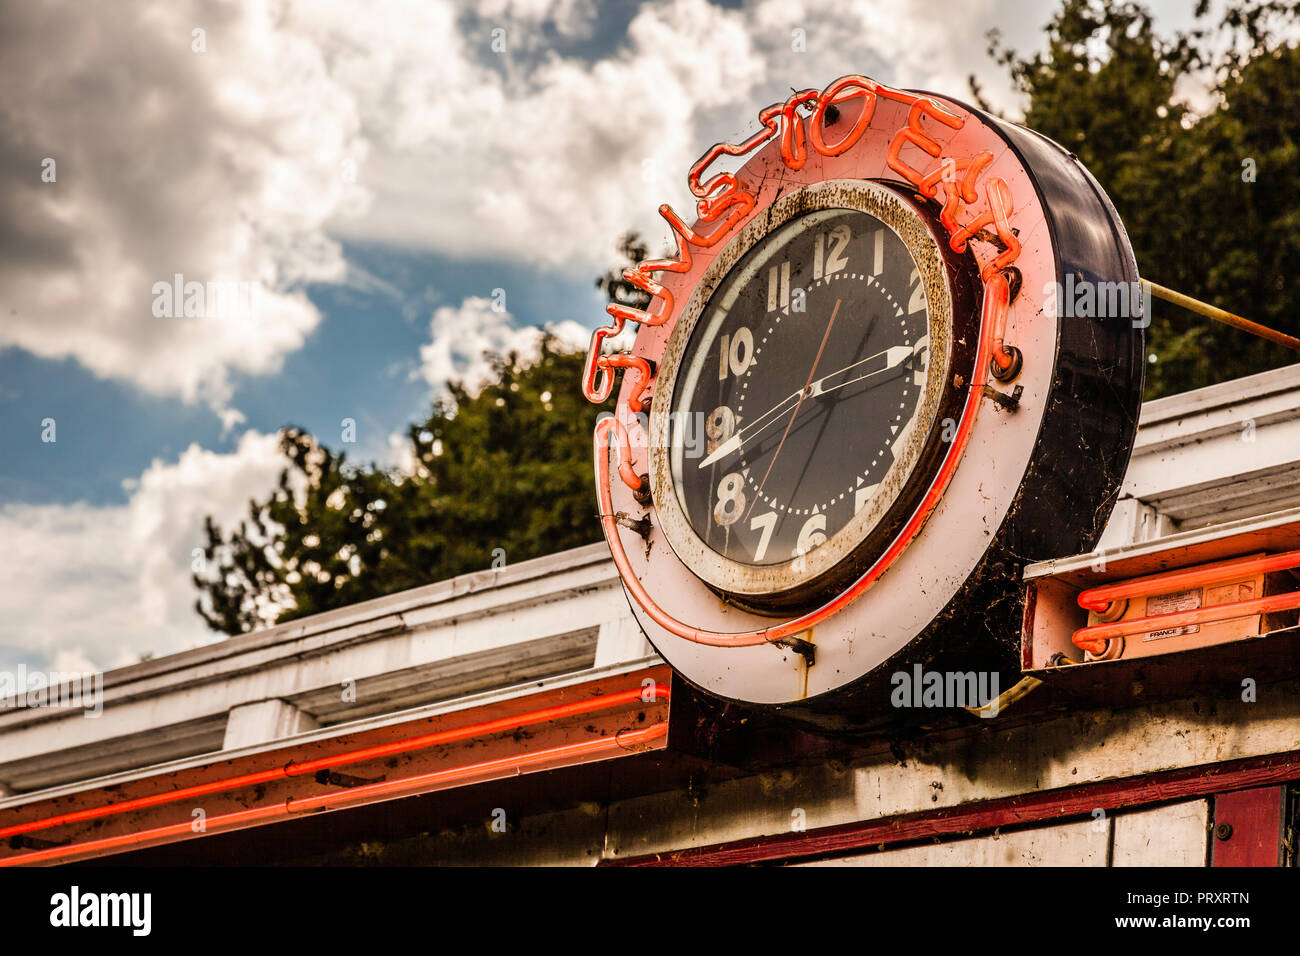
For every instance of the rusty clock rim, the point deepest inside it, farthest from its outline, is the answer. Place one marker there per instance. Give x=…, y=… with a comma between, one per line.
x=906, y=221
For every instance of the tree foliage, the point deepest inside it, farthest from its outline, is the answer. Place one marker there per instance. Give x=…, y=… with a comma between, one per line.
x=507, y=468
x=632, y=248
x=1209, y=195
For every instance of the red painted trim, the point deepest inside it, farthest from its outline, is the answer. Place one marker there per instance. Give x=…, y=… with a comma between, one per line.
x=969, y=819
x=1256, y=820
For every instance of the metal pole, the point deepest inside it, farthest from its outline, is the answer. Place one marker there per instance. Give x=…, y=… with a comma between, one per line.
x=1218, y=315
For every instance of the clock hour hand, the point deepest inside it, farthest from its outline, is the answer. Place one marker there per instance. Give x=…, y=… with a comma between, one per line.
x=723, y=450
x=733, y=443
x=894, y=357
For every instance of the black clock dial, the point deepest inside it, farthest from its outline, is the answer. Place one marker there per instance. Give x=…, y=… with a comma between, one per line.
x=801, y=379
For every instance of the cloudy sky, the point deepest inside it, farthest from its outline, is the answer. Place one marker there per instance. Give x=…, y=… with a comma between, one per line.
x=356, y=178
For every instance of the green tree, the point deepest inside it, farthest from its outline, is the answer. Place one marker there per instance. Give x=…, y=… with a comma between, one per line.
x=507, y=467
x=1211, y=200
x=632, y=248
x=503, y=473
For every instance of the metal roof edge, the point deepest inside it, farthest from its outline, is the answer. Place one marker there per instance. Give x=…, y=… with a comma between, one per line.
x=335, y=730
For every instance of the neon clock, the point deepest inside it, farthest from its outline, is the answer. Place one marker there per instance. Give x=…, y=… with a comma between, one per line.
x=851, y=413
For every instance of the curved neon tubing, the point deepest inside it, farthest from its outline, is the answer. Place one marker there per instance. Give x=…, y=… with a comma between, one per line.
x=1095, y=638
x=1100, y=598
x=786, y=629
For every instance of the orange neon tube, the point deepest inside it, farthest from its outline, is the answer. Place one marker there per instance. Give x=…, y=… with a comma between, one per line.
x=1099, y=599
x=1094, y=638
x=998, y=289
x=794, y=626
x=292, y=769
x=421, y=783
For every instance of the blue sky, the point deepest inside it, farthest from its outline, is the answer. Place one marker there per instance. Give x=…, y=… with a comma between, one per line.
x=373, y=171
x=361, y=362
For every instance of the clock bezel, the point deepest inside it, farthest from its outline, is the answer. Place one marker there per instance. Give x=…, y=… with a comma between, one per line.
x=953, y=295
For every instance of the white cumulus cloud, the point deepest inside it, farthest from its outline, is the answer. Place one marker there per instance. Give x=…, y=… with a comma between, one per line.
x=106, y=584
x=236, y=142
x=134, y=149
x=460, y=335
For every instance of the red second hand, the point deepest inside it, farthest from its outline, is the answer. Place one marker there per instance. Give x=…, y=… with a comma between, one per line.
x=804, y=394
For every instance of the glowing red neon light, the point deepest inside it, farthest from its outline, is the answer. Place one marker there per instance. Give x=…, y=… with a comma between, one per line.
x=304, y=768
x=832, y=97
x=725, y=193
x=1100, y=598
x=915, y=134
x=421, y=783
x=1095, y=638
x=627, y=360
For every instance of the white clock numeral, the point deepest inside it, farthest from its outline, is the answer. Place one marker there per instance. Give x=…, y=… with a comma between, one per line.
x=719, y=426
x=829, y=257
x=811, y=535
x=735, y=353
x=878, y=256
x=917, y=302
x=778, y=287
x=921, y=359
x=836, y=241
x=836, y=260
x=767, y=524
x=731, y=499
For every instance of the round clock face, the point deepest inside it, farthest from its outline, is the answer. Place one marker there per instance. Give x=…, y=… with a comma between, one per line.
x=802, y=396
x=802, y=376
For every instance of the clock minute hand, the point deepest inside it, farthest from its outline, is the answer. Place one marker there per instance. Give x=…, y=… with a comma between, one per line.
x=734, y=442
x=894, y=357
